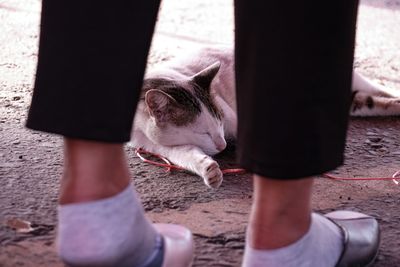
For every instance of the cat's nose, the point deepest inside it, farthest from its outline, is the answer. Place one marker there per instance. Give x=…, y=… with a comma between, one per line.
x=220, y=145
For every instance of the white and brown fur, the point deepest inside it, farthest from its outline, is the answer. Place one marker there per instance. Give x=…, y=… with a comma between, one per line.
x=187, y=110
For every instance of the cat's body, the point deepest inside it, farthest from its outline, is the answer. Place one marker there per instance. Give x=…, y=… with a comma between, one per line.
x=188, y=109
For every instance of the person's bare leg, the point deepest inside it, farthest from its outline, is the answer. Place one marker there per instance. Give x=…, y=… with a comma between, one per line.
x=281, y=212
x=282, y=229
x=101, y=221
x=92, y=171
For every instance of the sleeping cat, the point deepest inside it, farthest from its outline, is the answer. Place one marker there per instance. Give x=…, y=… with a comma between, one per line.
x=187, y=110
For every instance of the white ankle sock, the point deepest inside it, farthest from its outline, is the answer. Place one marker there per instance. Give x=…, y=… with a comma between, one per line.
x=108, y=232
x=322, y=245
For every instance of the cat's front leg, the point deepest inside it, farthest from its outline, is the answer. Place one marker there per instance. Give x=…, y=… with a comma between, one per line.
x=188, y=157
x=195, y=160
x=211, y=173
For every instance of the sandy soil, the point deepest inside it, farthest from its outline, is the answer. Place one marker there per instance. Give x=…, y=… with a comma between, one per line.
x=30, y=162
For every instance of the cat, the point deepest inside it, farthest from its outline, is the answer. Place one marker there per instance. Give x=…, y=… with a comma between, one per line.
x=187, y=109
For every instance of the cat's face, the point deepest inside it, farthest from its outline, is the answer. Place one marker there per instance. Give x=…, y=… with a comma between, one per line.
x=183, y=112
x=205, y=132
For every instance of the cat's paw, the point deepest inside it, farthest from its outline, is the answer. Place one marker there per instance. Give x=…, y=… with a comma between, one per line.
x=213, y=175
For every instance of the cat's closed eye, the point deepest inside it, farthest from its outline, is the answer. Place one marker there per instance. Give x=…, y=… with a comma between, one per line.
x=205, y=134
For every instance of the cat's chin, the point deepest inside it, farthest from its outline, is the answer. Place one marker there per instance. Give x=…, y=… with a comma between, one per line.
x=211, y=152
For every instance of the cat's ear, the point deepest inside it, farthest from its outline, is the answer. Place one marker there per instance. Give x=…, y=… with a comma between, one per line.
x=157, y=102
x=205, y=77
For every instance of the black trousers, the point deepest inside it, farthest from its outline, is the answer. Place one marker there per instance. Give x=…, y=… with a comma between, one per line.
x=293, y=70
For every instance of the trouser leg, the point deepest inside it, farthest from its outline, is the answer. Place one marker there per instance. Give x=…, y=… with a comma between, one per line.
x=92, y=57
x=293, y=70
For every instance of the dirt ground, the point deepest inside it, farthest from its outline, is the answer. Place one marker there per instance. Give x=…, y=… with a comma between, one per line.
x=30, y=162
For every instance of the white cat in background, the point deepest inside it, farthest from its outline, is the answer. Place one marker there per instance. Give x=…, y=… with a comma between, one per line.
x=187, y=110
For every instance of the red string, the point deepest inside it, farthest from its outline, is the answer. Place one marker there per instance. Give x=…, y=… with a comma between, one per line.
x=169, y=166
x=394, y=178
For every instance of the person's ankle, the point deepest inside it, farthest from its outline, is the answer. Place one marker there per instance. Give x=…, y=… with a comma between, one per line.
x=280, y=213
x=92, y=171
x=275, y=235
x=75, y=191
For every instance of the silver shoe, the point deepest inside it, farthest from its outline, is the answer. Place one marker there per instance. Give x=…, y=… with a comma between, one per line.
x=361, y=238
